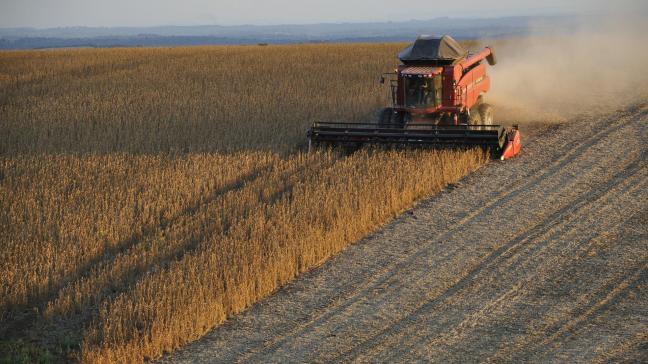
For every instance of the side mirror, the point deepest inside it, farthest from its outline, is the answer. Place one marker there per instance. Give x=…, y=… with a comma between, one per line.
x=382, y=80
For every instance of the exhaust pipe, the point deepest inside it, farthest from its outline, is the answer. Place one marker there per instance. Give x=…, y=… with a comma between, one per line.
x=492, y=60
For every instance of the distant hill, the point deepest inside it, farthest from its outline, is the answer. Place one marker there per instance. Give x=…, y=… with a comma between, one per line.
x=461, y=28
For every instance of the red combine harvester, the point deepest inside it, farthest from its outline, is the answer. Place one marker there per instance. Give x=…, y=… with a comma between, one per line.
x=437, y=99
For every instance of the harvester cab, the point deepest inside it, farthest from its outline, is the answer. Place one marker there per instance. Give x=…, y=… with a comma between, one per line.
x=437, y=98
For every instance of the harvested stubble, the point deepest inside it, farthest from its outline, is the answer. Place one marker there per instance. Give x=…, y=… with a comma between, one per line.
x=147, y=194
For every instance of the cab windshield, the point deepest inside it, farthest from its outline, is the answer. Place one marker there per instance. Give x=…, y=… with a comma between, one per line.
x=422, y=91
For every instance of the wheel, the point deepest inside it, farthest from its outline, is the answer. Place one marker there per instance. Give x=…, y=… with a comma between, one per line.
x=446, y=119
x=401, y=119
x=486, y=114
x=386, y=116
x=475, y=117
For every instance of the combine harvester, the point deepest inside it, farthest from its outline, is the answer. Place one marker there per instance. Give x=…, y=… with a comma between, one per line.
x=437, y=100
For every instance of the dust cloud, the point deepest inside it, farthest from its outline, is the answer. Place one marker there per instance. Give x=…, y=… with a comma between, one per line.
x=598, y=65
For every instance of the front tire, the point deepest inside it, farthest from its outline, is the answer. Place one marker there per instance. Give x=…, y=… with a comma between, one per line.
x=401, y=119
x=486, y=114
x=475, y=117
x=386, y=116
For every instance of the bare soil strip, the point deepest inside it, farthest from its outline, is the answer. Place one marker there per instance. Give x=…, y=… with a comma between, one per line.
x=541, y=258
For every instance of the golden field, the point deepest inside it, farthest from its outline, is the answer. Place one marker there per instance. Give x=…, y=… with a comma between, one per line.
x=148, y=194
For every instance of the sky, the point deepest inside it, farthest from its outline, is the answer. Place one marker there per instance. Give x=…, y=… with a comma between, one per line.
x=141, y=13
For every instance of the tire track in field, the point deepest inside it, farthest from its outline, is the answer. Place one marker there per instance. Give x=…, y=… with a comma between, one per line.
x=539, y=231
x=589, y=275
x=637, y=347
x=535, y=246
x=479, y=315
x=609, y=296
x=601, y=301
x=506, y=194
